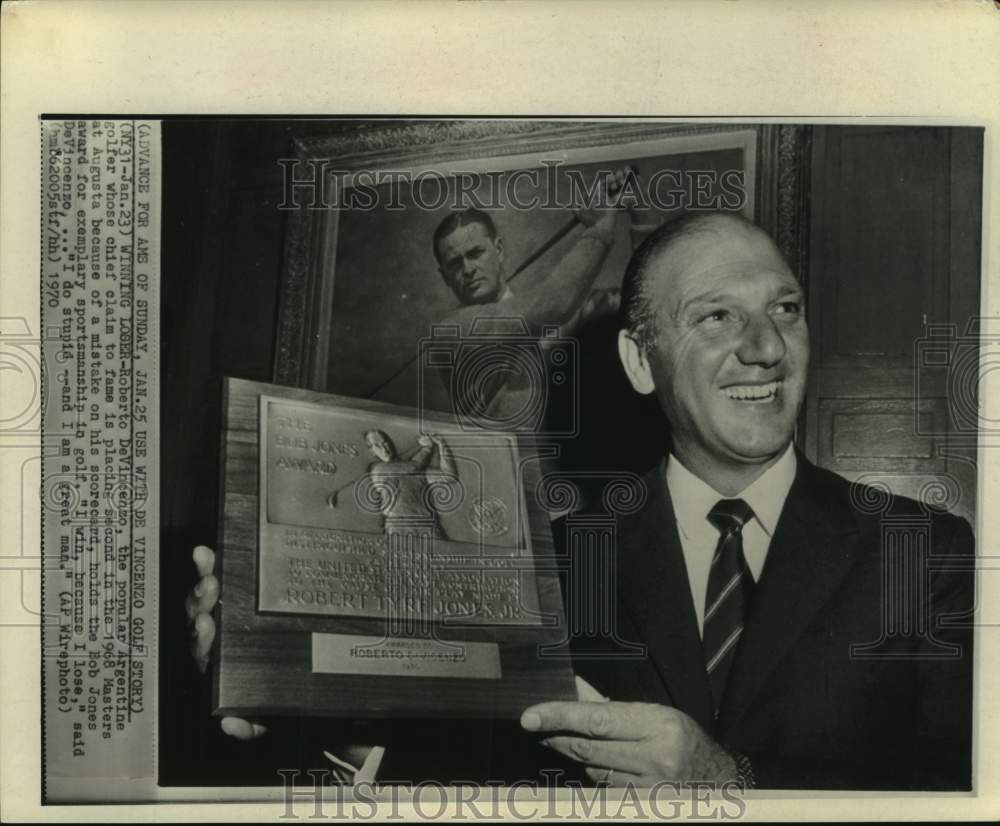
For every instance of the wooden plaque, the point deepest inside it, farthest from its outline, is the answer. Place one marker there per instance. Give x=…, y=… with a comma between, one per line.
x=380, y=562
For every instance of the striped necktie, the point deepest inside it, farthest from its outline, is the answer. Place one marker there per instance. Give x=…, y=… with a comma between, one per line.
x=730, y=588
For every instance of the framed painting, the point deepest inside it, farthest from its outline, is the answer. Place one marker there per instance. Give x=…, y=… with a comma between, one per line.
x=362, y=286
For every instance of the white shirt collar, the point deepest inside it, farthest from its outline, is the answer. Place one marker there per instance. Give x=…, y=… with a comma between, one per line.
x=692, y=498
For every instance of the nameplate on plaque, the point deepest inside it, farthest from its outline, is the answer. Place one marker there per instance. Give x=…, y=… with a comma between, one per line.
x=404, y=657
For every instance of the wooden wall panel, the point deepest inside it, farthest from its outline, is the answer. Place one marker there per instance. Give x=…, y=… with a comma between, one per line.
x=894, y=260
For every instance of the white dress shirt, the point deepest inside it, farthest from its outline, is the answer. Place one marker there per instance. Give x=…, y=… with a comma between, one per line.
x=693, y=499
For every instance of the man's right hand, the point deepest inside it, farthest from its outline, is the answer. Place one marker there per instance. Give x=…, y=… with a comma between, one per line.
x=362, y=761
x=199, y=605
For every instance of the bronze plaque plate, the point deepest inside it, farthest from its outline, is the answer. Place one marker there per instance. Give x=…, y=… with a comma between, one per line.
x=362, y=516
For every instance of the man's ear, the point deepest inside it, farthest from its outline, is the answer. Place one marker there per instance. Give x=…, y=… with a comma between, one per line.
x=498, y=246
x=635, y=362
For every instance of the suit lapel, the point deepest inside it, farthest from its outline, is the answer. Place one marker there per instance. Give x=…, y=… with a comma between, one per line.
x=812, y=550
x=657, y=596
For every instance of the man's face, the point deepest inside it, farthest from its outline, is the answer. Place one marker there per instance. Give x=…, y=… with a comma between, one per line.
x=472, y=264
x=380, y=447
x=730, y=363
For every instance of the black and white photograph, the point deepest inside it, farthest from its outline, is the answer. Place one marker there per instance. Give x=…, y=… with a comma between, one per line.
x=609, y=460
x=809, y=377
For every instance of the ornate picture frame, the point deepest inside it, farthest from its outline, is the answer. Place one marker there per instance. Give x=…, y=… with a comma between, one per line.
x=318, y=250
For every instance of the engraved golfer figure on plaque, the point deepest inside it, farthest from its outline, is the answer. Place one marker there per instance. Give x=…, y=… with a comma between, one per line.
x=408, y=493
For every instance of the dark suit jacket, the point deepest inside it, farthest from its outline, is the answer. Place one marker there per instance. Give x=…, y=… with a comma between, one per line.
x=806, y=702
x=805, y=710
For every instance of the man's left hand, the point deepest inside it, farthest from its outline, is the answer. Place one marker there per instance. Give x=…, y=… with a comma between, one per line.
x=637, y=743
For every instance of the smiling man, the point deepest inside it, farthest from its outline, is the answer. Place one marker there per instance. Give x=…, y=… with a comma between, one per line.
x=721, y=339
x=756, y=582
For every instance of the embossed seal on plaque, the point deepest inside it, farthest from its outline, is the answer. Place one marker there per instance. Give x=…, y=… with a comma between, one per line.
x=489, y=516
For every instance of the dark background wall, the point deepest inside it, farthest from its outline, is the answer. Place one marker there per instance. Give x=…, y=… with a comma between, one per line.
x=893, y=284
x=895, y=242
